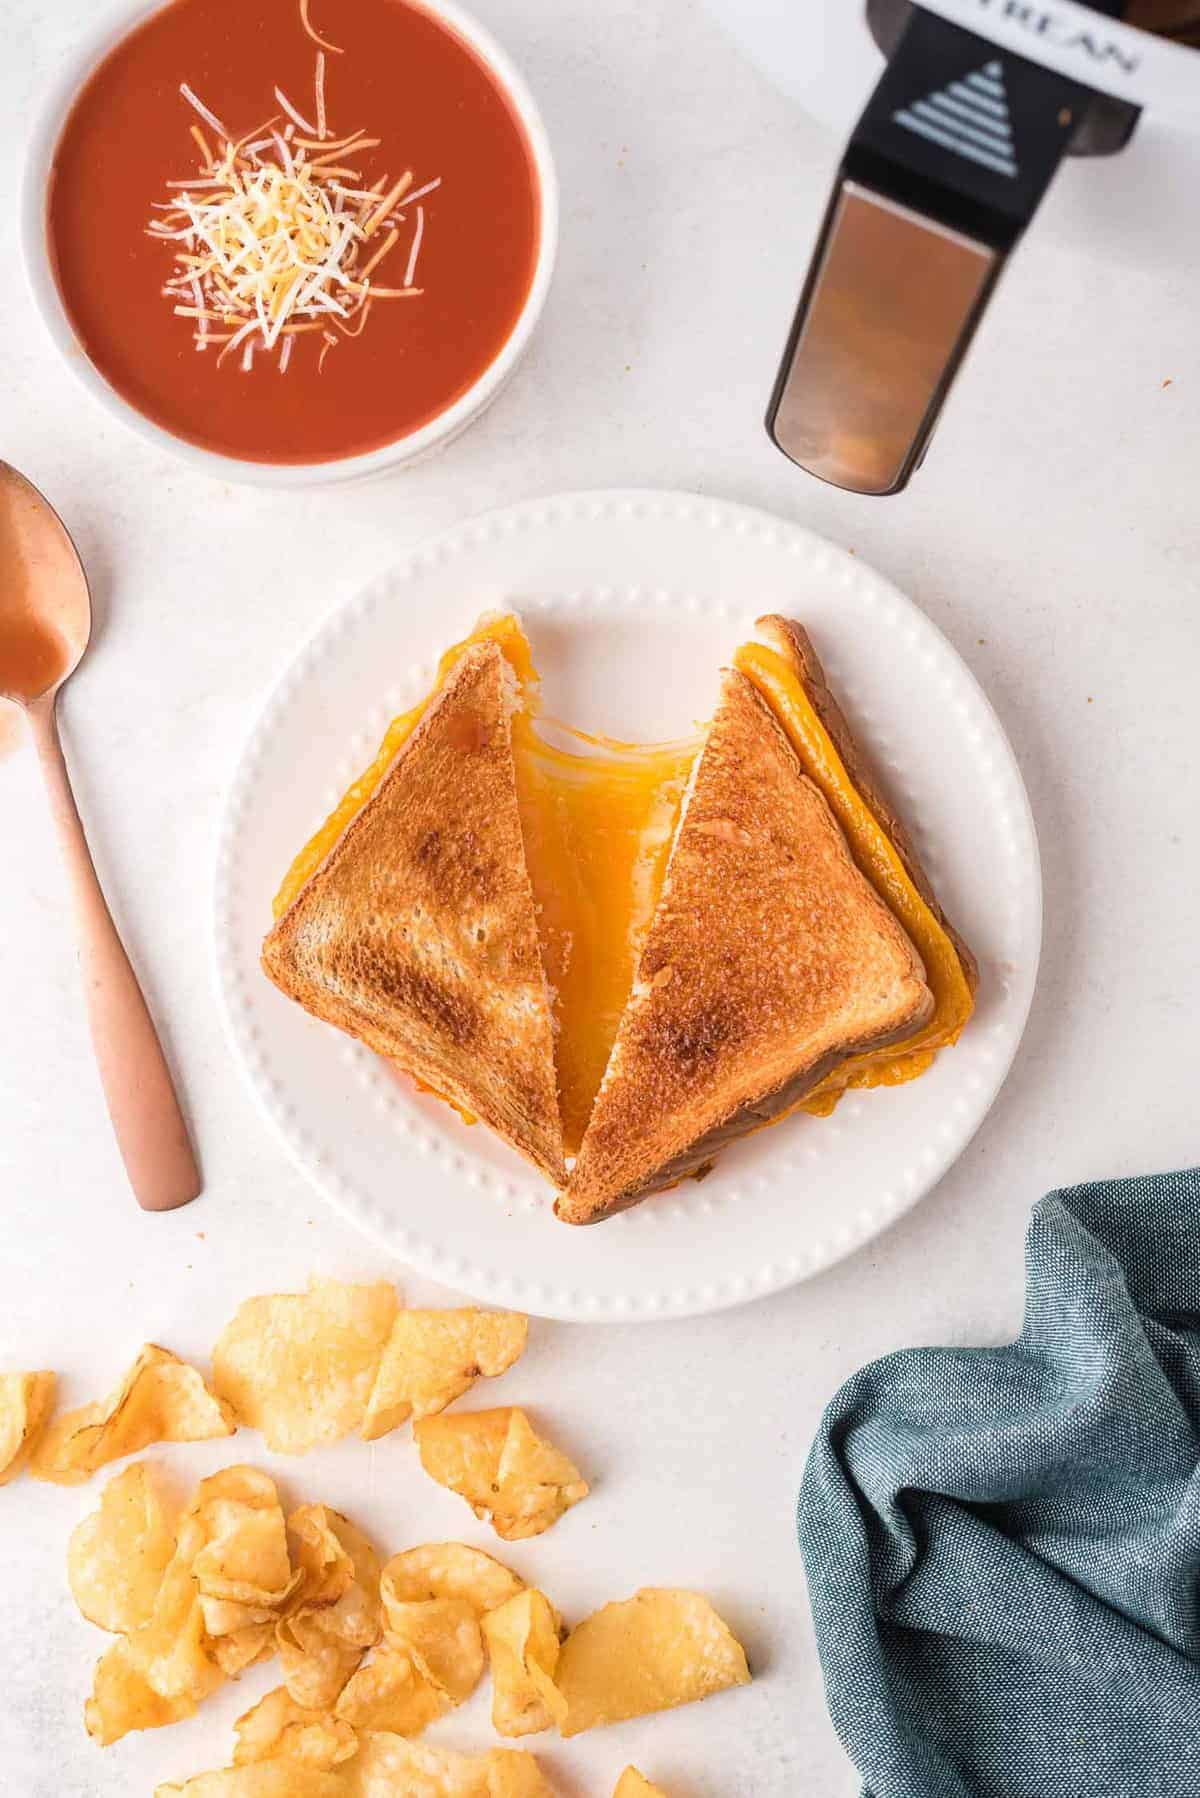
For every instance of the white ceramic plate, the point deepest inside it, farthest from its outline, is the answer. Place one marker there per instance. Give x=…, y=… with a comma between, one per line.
x=633, y=602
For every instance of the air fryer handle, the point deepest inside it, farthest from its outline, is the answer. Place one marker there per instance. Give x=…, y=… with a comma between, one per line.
x=945, y=168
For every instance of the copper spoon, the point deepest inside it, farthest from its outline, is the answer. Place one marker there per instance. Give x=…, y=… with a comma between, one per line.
x=45, y=623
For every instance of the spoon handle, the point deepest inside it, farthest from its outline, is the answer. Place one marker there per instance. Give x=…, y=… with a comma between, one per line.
x=146, y=1118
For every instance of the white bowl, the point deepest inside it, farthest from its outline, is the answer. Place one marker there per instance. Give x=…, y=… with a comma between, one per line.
x=72, y=75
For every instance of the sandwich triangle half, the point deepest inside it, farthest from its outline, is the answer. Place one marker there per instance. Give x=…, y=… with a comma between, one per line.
x=418, y=933
x=769, y=959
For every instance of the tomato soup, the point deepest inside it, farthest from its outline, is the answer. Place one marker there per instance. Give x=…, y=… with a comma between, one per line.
x=292, y=233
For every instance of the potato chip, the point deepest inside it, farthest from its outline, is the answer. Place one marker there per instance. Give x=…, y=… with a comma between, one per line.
x=314, y=1659
x=447, y=1570
x=161, y=1670
x=243, y=1648
x=334, y=1615
x=212, y=1610
x=243, y=1569
x=299, y=1366
x=660, y=1648
x=170, y=1649
x=122, y=1699
x=633, y=1784
x=225, y=1619
x=522, y=1639
x=389, y=1694
x=171, y=1655
x=441, y=1637
x=161, y=1399
x=502, y=1467
x=26, y=1400
x=326, y=1548
x=512, y=1773
x=433, y=1357
x=279, y=1729
x=388, y=1766
x=264, y=1779
x=116, y=1558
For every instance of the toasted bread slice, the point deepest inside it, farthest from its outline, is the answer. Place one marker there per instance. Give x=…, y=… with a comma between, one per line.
x=770, y=958
x=794, y=642
x=418, y=932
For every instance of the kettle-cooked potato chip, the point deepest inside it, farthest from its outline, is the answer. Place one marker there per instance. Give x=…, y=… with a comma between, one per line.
x=299, y=1366
x=26, y=1400
x=314, y=1662
x=522, y=1639
x=334, y=1615
x=170, y=1649
x=122, y=1699
x=242, y=1569
x=447, y=1570
x=264, y=1779
x=160, y=1672
x=389, y=1694
x=430, y=1661
x=279, y=1729
x=243, y=1648
x=433, y=1357
x=387, y=1766
x=502, y=1467
x=329, y=1551
x=161, y=1399
x=660, y=1648
x=633, y=1784
x=442, y=1639
x=117, y=1556
x=214, y=1611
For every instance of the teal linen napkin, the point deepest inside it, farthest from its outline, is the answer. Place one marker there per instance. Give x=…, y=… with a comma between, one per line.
x=1003, y=1544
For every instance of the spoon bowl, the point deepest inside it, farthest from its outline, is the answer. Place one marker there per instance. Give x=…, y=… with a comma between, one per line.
x=45, y=626
x=45, y=605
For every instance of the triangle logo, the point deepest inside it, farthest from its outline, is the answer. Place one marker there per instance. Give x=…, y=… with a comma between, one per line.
x=969, y=118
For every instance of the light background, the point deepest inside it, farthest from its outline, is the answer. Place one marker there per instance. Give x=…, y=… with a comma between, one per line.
x=1053, y=535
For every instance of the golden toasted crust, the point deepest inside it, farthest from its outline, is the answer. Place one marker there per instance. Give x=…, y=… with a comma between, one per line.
x=418, y=932
x=770, y=959
x=794, y=642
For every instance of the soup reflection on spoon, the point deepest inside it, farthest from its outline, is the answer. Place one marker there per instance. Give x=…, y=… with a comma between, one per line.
x=45, y=623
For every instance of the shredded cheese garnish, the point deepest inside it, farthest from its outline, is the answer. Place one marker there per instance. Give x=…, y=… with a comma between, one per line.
x=275, y=233
x=319, y=91
x=415, y=248
x=210, y=118
x=316, y=35
x=296, y=117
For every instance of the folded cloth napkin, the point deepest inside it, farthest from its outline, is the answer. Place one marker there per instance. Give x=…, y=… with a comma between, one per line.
x=1003, y=1544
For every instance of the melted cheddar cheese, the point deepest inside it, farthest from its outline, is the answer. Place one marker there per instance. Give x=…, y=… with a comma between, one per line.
x=598, y=823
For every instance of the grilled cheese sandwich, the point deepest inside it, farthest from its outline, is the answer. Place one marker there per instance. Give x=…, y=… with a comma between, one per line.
x=600, y=826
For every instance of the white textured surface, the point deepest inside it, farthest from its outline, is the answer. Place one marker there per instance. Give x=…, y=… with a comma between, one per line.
x=1053, y=535
x=614, y=589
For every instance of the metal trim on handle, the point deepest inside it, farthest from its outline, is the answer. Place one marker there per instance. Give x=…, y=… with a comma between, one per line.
x=892, y=302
